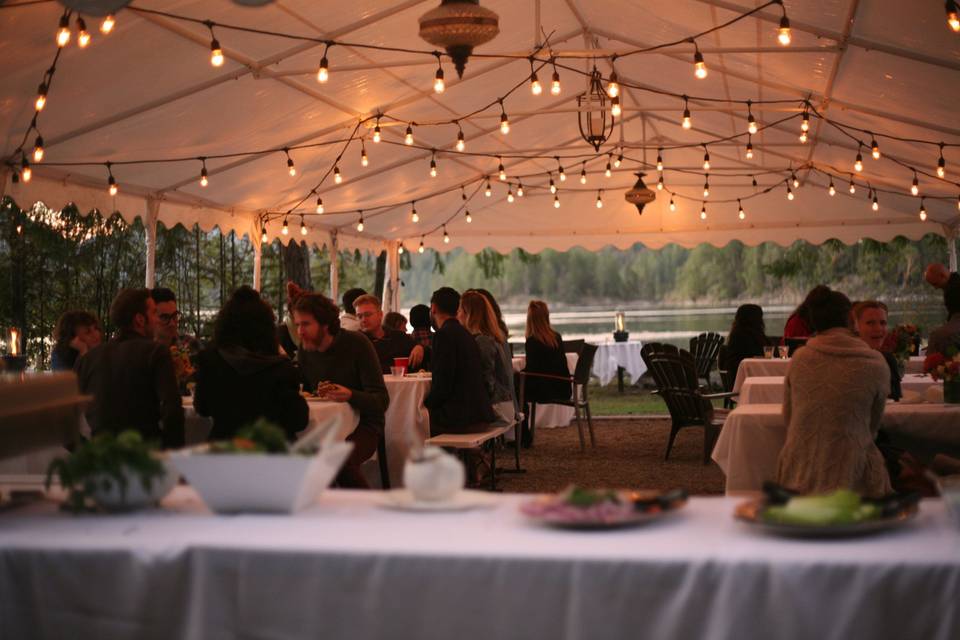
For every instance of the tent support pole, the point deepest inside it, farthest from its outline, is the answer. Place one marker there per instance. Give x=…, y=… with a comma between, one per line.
x=951, y=234
x=391, y=294
x=334, y=266
x=257, y=243
x=150, y=226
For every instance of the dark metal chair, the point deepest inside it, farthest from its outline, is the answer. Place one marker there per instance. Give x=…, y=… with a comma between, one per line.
x=678, y=384
x=704, y=349
x=727, y=377
x=578, y=399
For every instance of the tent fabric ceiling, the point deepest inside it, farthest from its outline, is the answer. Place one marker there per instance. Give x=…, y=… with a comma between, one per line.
x=148, y=91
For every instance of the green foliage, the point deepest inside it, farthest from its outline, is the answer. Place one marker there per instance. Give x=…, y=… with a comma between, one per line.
x=261, y=436
x=107, y=459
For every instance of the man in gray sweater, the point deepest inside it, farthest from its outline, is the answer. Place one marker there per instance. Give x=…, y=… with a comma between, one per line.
x=342, y=366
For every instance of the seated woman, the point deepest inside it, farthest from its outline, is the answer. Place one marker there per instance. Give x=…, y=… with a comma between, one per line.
x=870, y=322
x=242, y=377
x=835, y=392
x=747, y=336
x=798, y=323
x=478, y=317
x=545, y=354
x=77, y=332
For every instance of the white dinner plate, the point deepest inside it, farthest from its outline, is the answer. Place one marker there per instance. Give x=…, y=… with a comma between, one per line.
x=403, y=500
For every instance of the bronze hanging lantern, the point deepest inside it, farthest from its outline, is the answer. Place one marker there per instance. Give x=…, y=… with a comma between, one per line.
x=596, y=123
x=458, y=26
x=639, y=194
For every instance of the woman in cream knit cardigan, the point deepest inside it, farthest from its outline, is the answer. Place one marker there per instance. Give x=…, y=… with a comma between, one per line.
x=836, y=389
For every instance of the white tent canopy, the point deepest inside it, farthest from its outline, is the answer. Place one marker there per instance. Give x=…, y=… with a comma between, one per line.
x=148, y=91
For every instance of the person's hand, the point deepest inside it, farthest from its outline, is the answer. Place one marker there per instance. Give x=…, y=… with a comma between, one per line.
x=79, y=345
x=416, y=356
x=335, y=392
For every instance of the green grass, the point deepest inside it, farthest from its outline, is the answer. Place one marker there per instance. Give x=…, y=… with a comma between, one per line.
x=607, y=401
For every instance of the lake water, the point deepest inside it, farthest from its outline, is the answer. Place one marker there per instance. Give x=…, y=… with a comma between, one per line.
x=677, y=326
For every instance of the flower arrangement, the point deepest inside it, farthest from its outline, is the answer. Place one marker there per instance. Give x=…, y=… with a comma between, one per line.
x=943, y=367
x=902, y=342
x=181, y=363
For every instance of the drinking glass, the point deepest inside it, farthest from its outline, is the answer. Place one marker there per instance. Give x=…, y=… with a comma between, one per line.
x=768, y=353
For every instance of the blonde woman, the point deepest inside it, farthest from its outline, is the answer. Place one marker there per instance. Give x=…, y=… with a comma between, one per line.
x=545, y=354
x=478, y=317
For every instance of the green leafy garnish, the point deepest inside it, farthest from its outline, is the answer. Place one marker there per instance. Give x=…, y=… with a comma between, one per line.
x=581, y=497
x=840, y=507
x=260, y=437
x=107, y=458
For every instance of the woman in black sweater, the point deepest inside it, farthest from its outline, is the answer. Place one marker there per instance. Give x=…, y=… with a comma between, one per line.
x=545, y=354
x=747, y=336
x=242, y=377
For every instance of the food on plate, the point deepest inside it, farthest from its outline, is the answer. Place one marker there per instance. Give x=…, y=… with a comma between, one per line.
x=601, y=506
x=840, y=507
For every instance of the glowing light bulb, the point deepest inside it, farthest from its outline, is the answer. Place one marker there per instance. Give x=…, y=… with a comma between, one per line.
x=953, y=16
x=461, y=143
x=615, y=109
x=583, y=176
x=433, y=168
x=501, y=172
x=660, y=184
x=420, y=248
x=673, y=205
x=291, y=169
x=783, y=33
x=38, y=149
x=858, y=163
x=519, y=189
x=83, y=36
x=408, y=136
x=26, y=173
x=216, y=53
x=706, y=161
x=699, y=66
x=438, y=84
x=923, y=210
x=320, y=205
x=741, y=213
x=599, y=202
x=659, y=161
x=510, y=197
x=563, y=176
x=535, y=87
x=204, y=178
x=556, y=202
x=751, y=124
x=608, y=171
x=553, y=186
x=360, y=223
x=749, y=153
x=337, y=178
x=504, y=123
x=107, y=25
x=468, y=217
x=113, y=186
x=876, y=204
x=41, y=101
x=286, y=228
x=915, y=187
x=803, y=137
x=376, y=133
x=613, y=86
x=446, y=237
x=414, y=216
x=703, y=212
x=795, y=181
x=63, y=32
x=400, y=249
x=263, y=235
x=488, y=191
x=555, y=84
x=789, y=194
x=687, y=122
x=832, y=190
x=323, y=73
x=706, y=189
x=875, y=149
x=805, y=122
x=941, y=165
x=853, y=188
x=364, y=160
x=618, y=161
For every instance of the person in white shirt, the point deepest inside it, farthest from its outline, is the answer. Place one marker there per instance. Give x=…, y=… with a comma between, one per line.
x=348, y=319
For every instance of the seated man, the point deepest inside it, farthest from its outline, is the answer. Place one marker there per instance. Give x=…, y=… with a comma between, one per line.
x=947, y=337
x=344, y=365
x=131, y=377
x=348, y=319
x=183, y=348
x=458, y=401
x=420, y=321
x=389, y=343
x=939, y=277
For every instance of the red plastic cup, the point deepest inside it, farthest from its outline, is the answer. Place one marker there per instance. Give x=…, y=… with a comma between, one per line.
x=402, y=364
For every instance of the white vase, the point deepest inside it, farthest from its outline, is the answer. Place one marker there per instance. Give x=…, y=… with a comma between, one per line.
x=434, y=475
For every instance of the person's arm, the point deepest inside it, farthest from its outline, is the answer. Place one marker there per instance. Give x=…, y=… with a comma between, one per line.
x=293, y=414
x=489, y=353
x=372, y=395
x=168, y=393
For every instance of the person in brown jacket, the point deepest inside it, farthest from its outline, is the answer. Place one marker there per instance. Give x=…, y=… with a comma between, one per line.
x=131, y=377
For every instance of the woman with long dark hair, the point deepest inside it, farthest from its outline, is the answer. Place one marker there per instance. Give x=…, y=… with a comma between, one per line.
x=478, y=317
x=76, y=333
x=241, y=377
x=747, y=336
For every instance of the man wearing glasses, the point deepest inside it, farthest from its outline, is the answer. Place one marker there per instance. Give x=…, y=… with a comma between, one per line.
x=183, y=348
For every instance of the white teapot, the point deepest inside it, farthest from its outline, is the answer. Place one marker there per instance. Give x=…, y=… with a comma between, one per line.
x=433, y=475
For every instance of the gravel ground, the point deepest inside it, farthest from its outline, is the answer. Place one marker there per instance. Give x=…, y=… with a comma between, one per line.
x=629, y=454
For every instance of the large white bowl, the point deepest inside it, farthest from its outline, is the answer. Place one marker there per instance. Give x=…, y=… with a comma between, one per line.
x=260, y=482
x=108, y=494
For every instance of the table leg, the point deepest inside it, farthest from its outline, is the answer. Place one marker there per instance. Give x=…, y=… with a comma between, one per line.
x=620, y=379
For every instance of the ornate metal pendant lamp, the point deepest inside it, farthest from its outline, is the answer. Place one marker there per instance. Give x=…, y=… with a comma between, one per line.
x=458, y=26
x=594, y=118
x=639, y=194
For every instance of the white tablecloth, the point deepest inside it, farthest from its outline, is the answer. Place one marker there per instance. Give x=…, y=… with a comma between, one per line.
x=760, y=367
x=915, y=364
x=408, y=422
x=753, y=435
x=551, y=415
x=323, y=415
x=769, y=389
x=611, y=355
x=346, y=569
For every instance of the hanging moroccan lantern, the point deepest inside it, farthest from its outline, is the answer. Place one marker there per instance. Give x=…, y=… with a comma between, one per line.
x=458, y=26
x=596, y=124
x=640, y=195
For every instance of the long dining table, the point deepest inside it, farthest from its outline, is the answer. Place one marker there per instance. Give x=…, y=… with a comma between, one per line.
x=346, y=567
x=752, y=367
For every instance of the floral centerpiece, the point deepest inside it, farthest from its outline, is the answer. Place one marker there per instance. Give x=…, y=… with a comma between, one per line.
x=945, y=367
x=902, y=342
x=181, y=363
